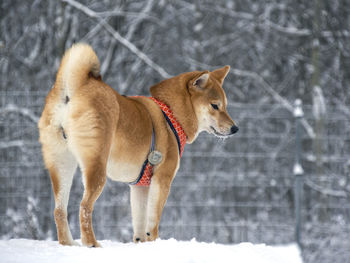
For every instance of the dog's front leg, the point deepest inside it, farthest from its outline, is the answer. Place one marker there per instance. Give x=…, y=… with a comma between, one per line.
x=158, y=194
x=138, y=199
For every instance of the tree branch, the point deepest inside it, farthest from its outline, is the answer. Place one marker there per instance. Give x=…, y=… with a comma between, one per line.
x=23, y=111
x=285, y=103
x=131, y=30
x=8, y=144
x=119, y=38
x=260, y=22
x=324, y=191
x=287, y=30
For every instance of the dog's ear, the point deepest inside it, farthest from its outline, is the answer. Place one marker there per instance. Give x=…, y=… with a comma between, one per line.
x=220, y=73
x=199, y=82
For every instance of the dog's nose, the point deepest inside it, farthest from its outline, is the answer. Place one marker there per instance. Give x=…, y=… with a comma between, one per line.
x=234, y=129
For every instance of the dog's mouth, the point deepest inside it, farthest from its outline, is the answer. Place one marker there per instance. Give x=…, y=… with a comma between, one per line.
x=219, y=134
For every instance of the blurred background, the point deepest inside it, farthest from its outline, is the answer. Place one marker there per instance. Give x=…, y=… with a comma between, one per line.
x=248, y=188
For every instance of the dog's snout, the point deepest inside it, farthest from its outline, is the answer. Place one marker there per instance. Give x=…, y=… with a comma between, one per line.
x=234, y=129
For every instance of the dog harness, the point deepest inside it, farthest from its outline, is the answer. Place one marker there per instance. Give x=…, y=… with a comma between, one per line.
x=146, y=173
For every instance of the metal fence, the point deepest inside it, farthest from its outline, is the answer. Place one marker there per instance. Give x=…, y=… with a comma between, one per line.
x=240, y=189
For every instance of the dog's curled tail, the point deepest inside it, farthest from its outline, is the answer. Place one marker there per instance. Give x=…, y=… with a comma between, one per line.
x=77, y=63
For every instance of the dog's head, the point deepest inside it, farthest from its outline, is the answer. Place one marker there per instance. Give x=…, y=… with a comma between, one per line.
x=209, y=102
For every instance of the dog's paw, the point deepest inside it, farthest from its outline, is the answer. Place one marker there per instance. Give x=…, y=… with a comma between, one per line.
x=92, y=243
x=139, y=239
x=151, y=236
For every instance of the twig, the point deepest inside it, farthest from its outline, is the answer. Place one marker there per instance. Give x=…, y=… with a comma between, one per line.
x=342, y=107
x=131, y=30
x=285, y=103
x=324, y=191
x=8, y=144
x=260, y=22
x=23, y=111
x=287, y=30
x=123, y=13
x=119, y=38
x=93, y=31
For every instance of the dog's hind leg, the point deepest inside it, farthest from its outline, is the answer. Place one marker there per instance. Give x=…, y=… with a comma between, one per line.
x=138, y=199
x=61, y=165
x=94, y=180
x=91, y=136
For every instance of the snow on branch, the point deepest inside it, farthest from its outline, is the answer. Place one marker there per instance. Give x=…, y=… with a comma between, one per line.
x=229, y=12
x=119, y=38
x=266, y=86
x=93, y=31
x=325, y=191
x=131, y=30
x=20, y=110
x=260, y=22
x=285, y=103
x=107, y=14
x=137, y=15
x=9, y=144
x=138, y=20
x=343, y=108
x=136, y=51
x=287, y=30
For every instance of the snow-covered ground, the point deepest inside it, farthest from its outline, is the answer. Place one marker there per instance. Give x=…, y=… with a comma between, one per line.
x=23, y=250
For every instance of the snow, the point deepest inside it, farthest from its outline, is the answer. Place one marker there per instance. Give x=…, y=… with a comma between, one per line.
x=298, y=110
x=24, y=250
x=319, y=103
x=298, y=169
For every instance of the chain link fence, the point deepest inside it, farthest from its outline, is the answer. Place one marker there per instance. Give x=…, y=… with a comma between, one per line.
x=237, y=190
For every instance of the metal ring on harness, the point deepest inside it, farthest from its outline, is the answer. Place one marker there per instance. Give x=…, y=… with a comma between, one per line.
x=155, y=157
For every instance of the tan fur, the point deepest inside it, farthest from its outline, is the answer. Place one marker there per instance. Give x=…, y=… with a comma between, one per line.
x=110, y=135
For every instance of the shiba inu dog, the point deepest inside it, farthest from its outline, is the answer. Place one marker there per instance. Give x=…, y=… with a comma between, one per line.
x=87, y=123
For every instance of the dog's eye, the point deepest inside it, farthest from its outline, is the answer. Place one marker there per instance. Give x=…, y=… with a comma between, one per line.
x=215, y=107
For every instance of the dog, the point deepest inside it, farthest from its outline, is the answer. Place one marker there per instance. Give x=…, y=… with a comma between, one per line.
x=87, y=123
